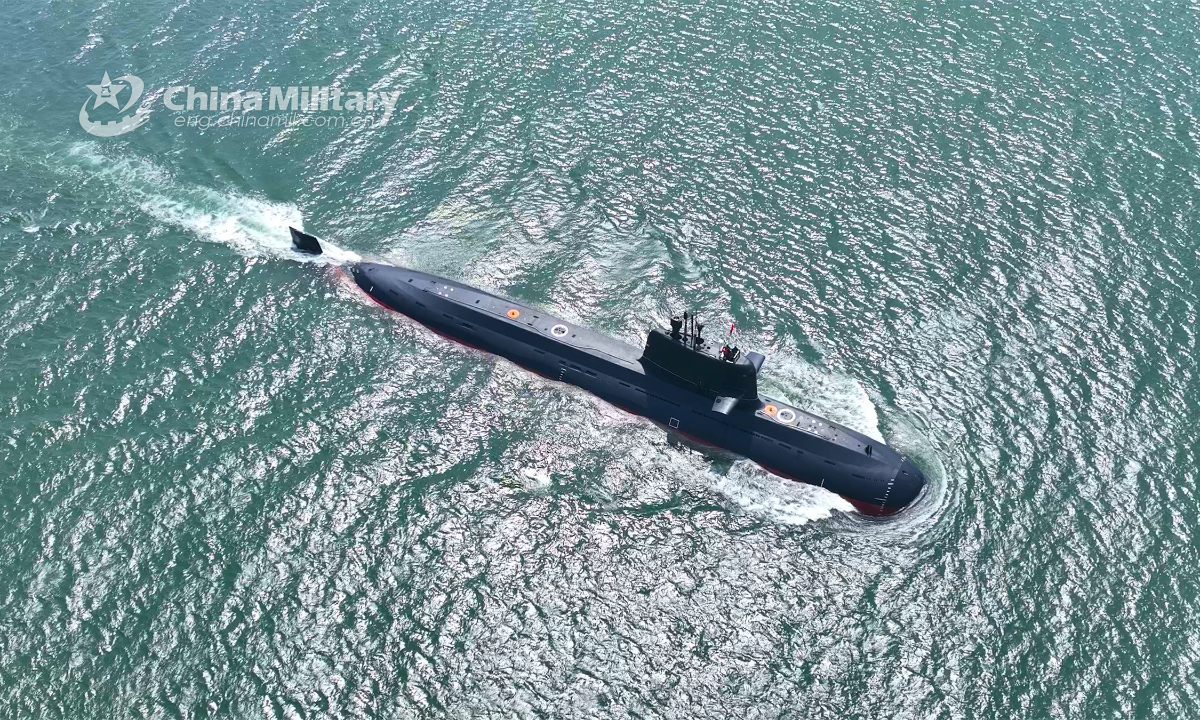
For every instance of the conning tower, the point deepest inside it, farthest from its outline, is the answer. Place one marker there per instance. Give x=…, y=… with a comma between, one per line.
x=684, y=357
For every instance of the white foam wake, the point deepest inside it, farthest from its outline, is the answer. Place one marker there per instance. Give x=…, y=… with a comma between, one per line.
x=764, y=495
x=252, y=226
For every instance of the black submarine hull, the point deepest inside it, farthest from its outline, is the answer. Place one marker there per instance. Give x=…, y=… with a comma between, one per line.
x=783, y=439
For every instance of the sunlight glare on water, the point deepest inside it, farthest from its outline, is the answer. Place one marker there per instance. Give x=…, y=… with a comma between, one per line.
x=232, y=487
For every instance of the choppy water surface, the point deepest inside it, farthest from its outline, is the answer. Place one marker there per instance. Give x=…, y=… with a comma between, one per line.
x=233, y=488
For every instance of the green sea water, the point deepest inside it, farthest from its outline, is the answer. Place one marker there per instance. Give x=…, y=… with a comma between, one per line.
x=231, y=487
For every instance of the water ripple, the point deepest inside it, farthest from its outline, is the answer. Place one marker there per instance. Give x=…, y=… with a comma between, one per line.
x=233, y=487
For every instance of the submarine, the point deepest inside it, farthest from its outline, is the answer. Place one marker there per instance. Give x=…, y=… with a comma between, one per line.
x=680, y=379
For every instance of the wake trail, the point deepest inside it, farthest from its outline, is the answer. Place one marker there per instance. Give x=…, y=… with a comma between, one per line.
x=251, y=226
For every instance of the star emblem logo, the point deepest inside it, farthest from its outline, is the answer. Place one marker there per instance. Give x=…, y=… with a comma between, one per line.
x=106, y=92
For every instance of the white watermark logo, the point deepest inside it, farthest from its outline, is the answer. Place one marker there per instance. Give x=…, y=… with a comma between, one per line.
x=278, y=107
x=108, y=93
